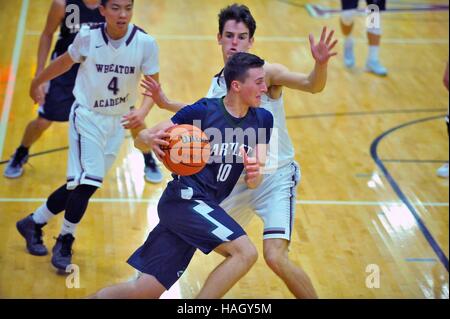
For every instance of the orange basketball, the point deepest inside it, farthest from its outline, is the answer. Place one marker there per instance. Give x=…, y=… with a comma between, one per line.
x=188, y=150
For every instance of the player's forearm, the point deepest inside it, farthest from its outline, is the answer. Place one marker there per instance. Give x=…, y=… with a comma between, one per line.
x=147, y=104
x=59, y=66
x=45, y=43
x=163, y=126
x=318, y=78
x=154, y=90
x=173, y=106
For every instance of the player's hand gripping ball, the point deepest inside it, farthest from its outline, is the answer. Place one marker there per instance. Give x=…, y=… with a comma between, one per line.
x=188, y=150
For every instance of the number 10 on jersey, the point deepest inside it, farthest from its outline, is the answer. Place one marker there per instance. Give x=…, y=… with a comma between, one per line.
x=224, y=172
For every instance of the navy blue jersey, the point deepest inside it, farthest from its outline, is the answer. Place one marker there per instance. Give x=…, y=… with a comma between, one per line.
x=69, y=29
x=227, y=135
x=190, y=216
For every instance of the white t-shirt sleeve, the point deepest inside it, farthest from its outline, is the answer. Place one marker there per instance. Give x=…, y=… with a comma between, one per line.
x=150, y=64
x=79, y=49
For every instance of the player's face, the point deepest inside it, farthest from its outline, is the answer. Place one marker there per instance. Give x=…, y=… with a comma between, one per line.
x=118, y=14
x=234, y=38
x=253, y=87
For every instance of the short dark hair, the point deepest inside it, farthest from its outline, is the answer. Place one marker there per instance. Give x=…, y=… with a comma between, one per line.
x=239, y=13
x=238, y=65
x=104, y=2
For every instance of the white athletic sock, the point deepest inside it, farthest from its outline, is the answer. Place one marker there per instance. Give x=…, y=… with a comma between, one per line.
x=373, y=52
x=42, y=215
x=68, y=228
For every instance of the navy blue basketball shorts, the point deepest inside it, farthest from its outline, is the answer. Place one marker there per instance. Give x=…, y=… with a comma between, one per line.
x=353, y=4
x=58, y=100
x=188, y=221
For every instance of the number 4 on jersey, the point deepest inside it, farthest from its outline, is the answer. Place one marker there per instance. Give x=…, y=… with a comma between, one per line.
x=114, y=85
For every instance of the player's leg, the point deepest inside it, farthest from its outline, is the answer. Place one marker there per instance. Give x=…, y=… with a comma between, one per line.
x=241, y=255
x=347, y=22
x=31, y=226
x=91, y=143
x=276, y=207
x=34, y=131
x=143, y=287
x=206, y=226
x=77, y=204
x=295, y=278
x=152, y=171
x=161, y=261
x=58, y=102
x=373, y=64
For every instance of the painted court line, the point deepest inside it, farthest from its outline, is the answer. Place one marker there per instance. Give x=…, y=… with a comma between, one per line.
x=397, y=189
x=13, y=74
x=421, y=260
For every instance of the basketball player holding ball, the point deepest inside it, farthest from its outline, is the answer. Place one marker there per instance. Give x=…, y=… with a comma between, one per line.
x=189, y=211
x=274, y=200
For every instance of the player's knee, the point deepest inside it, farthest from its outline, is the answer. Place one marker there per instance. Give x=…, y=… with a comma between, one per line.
x=274, y=260
x=249, y=254
x=85, y=191
x=275, y=256
x=347, y=17
x=374, y=29
x=244, y=249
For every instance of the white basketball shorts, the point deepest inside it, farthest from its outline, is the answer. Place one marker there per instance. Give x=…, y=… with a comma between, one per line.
x=273, y=201
x=94, y=141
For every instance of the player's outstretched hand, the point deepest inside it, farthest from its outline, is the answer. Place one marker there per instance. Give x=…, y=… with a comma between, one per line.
x=37, y=92
x=252, y=169
x=153, y=89
x=322, y=51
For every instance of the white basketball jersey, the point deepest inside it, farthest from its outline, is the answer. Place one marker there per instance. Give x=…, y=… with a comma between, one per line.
x=108, y=77
x=281, y=151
